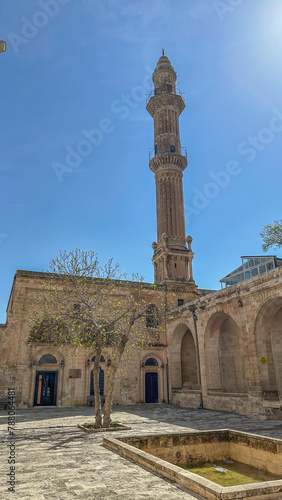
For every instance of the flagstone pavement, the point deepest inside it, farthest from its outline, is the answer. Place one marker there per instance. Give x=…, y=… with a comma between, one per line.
x=56, y=460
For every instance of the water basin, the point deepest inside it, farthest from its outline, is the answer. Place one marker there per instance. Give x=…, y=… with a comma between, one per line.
x=180, y=457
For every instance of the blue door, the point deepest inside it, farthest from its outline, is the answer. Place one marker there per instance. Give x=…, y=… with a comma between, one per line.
x=151, y=388
x=45, y=393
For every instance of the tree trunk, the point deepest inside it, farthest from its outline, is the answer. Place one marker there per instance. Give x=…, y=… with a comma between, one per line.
x=109, y=398
x=110, y=384
x=98, y=412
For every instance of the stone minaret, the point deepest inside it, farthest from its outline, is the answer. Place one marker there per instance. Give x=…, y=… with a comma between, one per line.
x=172, y=259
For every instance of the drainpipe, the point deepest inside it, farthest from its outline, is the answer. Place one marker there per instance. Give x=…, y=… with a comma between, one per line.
x=192, y=308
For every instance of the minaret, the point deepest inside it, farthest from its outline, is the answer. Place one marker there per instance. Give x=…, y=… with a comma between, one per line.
x=172, y=259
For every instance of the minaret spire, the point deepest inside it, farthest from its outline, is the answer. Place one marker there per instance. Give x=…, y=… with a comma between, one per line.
x=172, y=259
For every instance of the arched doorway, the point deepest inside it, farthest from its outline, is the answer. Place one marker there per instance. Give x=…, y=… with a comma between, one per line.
x=224, y=355
x=151, y=382
x=45, y=393
x=268, y=335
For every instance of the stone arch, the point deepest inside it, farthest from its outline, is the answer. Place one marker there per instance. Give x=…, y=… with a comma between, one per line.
x=48, y=358
x=183, y=359
x=189, y=361
x=268, y=339
x=224, y=355
x=151, y=362
x=151, y=355
x=51, y=350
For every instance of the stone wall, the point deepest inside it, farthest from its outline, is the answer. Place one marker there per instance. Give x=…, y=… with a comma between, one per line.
x=239, y=334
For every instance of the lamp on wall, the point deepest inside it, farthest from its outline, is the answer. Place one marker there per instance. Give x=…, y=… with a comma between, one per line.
x=240, y=303
x=34, y=362
x=143, y=364
x=162, y=365
x=109, y=362
x=88, y=362
x=62, y=362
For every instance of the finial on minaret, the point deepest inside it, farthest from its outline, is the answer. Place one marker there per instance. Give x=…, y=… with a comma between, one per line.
x=163, y=51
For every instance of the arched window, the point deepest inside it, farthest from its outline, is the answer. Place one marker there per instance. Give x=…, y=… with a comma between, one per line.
x=152, y=320
x=102, y=359
x=48, y=358
x=151, y=362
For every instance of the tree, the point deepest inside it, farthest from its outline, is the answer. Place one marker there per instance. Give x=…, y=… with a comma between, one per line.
x=83, y=303
x=272, y=235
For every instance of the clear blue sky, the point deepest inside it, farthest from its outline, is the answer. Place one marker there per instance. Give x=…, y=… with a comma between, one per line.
x=84, y=65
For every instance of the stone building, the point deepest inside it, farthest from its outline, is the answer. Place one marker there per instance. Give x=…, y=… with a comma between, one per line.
x=222, y=350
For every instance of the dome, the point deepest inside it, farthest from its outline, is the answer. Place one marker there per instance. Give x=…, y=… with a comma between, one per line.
x=164, y=65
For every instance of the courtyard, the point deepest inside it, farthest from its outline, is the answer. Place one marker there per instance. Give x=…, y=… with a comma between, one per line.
x=54, y=459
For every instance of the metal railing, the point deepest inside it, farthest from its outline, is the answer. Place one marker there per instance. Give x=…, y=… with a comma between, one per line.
x=156, y=92
x=152, y=152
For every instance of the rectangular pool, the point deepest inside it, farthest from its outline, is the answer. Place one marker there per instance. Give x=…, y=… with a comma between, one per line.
x=167, y=454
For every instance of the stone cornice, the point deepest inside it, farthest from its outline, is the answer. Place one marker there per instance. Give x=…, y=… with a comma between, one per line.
x=46, y=276
x=168, y=161
x=164, y=100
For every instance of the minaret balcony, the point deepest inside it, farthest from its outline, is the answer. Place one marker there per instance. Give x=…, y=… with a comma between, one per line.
x=168, y=160
x=153, y=152
x=170, y=91
x=162, y=99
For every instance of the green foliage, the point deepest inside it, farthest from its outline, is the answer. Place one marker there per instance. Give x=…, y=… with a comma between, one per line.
x=49, y=330
x=83, y=303
x=272, y=235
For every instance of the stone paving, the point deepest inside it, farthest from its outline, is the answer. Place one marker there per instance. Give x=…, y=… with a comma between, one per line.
x=56, y=460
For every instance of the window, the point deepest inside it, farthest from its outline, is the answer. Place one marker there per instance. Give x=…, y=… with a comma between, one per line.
x=48, y=358
x=156, y=149
x=151, y=362
x=102, y=359
x=180, y=302
x=169, y=88
x=172, y=149
x=152, y=320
